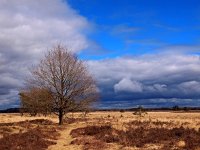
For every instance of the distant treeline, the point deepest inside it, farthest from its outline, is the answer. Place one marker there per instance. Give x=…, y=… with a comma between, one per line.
x=10, y=110
x=174, y=108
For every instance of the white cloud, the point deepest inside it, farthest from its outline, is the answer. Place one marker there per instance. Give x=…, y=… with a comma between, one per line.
x=126, y=85
x=30, y=27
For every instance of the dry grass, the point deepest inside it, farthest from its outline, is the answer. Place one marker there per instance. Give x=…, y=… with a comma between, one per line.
x=102, y=130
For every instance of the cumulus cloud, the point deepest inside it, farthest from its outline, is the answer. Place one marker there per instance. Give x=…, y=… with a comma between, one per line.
x=27, y=29
x=143, y=78
x=126, y=85
x=28, y=26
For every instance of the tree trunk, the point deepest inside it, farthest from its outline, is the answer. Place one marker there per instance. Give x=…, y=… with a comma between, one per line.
x=60, y=117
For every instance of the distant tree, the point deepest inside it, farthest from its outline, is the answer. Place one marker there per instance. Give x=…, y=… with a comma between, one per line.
x=140, y=111
x=122, y=110
x=176, y=108
x=67, y=79
x=186, y=108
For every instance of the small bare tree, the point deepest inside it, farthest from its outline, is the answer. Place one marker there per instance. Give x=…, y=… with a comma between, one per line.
x=36, y=100
x=67, y=79
x=140, y=112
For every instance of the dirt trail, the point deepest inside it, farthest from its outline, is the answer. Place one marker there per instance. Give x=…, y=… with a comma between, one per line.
x=63, y=142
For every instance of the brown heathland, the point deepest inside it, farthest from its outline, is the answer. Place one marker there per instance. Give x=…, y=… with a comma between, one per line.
x=102, y=130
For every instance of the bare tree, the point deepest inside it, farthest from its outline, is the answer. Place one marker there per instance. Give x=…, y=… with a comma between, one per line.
x=67, y=79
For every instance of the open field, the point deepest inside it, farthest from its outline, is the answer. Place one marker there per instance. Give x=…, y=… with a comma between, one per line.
x=102, y=130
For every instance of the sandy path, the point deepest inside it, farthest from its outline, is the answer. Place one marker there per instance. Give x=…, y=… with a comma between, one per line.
x=63, y=142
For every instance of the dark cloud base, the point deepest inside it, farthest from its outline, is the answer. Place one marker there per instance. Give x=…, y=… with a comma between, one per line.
x=125, y=104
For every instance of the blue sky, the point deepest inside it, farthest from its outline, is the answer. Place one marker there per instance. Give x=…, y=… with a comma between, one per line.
x=140, y=52
x=138, y=27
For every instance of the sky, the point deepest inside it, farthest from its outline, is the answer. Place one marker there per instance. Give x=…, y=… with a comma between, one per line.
x=140, y=52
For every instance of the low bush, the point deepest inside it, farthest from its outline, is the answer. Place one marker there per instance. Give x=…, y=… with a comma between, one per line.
x=30, y=140
x=35, y=137
x=140, y=135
